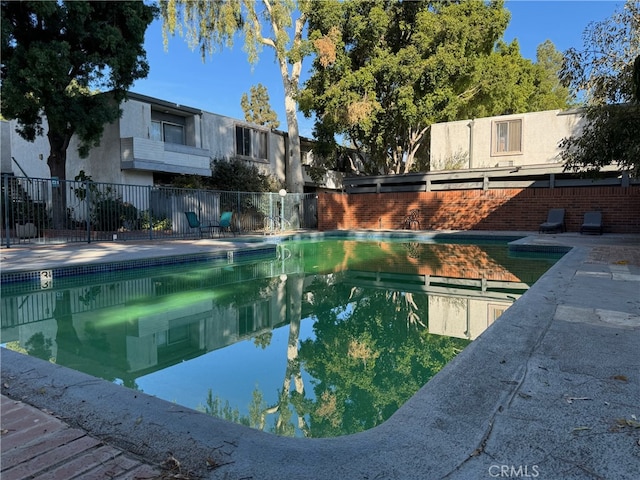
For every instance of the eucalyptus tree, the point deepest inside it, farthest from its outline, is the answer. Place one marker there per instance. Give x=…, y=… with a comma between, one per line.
x=607, y=71
x=56, y=55
x=277, y=24
x=386, y=70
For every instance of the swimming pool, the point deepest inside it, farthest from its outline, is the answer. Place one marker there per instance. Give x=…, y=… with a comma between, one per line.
x=322, y=338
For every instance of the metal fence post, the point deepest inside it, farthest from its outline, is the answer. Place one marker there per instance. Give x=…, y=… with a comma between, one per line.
x=270, y=204
x=5, y=179
x=239, y=213
x=150, y=212
x=283, y=195
x=88, y=211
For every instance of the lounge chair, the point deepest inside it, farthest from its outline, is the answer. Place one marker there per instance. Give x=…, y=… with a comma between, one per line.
x=194, y=222
x=555, y=221
x=592, y=223
x=225, y=223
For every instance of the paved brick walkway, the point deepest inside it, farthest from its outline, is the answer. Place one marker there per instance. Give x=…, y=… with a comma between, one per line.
x=620, y=255
x=39, y=446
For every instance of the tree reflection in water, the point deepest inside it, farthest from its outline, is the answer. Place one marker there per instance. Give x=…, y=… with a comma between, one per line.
x=386, y=317
x=371, y=352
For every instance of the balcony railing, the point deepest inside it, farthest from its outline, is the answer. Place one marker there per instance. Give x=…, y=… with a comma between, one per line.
x=151, y=155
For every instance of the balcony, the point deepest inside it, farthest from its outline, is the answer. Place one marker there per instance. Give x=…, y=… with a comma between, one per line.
x=150, y=155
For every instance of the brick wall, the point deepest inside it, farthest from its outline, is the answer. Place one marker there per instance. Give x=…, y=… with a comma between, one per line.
x=519, y=209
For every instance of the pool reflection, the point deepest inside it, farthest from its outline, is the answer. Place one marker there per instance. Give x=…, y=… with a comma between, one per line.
x=382, y=318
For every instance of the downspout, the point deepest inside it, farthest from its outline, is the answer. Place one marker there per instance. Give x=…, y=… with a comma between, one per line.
x=470, y=125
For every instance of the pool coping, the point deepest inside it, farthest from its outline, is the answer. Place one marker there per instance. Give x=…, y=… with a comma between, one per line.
x=469, y=418
x=259, y=246
x=54, y=273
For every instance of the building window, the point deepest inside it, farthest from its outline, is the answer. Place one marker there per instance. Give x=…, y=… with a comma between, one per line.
x=494, y=312
x=245, y=320
x=167, y=132
x=251, y=143
x=507, y=137
x=156, y=131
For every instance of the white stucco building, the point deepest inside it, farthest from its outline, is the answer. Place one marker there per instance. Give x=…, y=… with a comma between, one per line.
x=155, y=139
x=502, y=141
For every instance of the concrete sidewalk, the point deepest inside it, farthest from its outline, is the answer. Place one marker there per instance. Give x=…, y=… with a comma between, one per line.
x=28, y=258
x=550, y=391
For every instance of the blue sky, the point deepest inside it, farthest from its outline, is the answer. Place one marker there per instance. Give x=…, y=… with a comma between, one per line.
x=178, y=75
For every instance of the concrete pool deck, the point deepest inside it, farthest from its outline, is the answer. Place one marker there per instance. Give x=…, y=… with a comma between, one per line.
x=551, y=390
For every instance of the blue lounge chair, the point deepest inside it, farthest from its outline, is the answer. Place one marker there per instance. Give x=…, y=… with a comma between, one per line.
x=592, y=223
x=555, y=221
x=225, y=223
x=194, y=222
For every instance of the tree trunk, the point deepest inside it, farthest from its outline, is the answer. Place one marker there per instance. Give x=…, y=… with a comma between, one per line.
x=291, y=292
x=295, y=180
x=57, y=162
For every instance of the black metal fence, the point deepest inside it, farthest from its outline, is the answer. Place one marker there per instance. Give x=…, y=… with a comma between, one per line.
x=61, y=211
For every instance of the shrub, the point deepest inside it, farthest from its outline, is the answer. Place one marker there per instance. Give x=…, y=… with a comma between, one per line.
x=156, y=223
x=111, y=214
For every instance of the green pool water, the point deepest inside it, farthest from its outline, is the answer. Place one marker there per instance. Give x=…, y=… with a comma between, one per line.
x=324, y=338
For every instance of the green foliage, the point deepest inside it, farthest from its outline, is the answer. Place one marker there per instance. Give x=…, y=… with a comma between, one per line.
x=82, y=191
x=209, y=25
x=263, y=340
x=506, y=83
x=385, y=71
x=190, y=181
x=603, y=69
x=610, y=136
x=155, y=223
x=549, y=63
x=111, y=214
x=27, y=211
x=233, y=176
x=57, y=55
x=106, y=209
x=216, y=407
x=39, y=346
x=257, y=109
x=607, y=71
x=368, y=357
x=237, y=175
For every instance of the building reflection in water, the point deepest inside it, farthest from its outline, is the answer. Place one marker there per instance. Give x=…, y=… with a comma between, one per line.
x=367, y=301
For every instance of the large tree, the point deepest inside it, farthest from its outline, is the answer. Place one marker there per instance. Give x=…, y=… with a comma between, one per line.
x=56, y=57
x=257, y=109
x=214, y=24
x=607, y=72
x=387, y=70
x=549, y=63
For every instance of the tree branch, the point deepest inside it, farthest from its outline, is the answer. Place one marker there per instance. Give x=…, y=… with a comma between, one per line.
x=270, y=41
